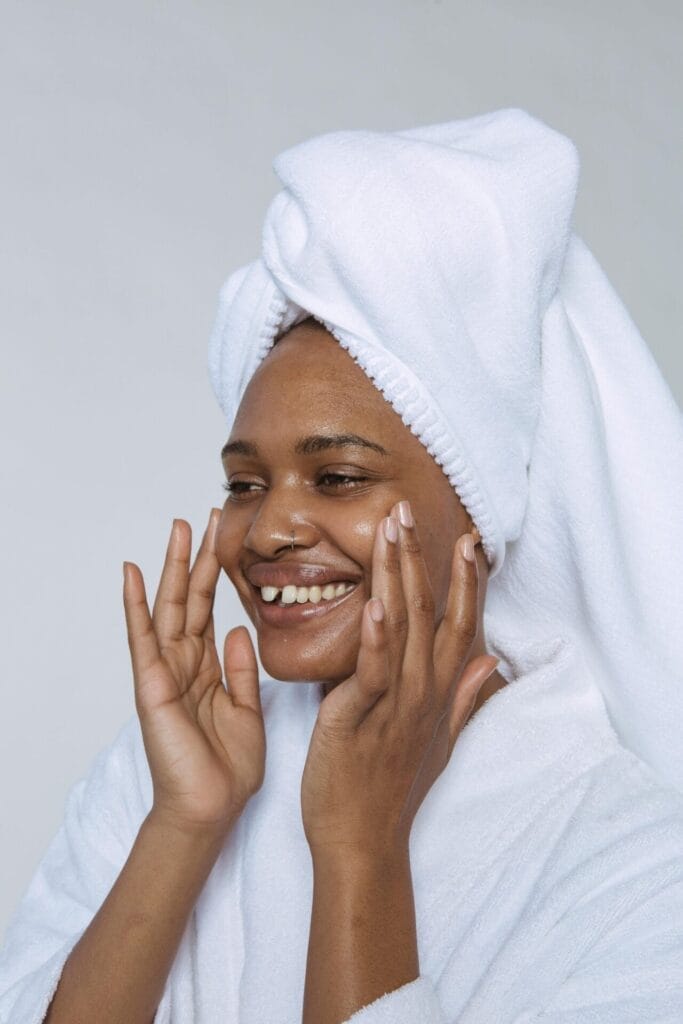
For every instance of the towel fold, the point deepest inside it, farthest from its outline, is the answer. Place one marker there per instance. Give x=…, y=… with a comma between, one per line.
x=443, y=259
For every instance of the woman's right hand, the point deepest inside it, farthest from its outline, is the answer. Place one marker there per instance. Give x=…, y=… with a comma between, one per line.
x=205, y=744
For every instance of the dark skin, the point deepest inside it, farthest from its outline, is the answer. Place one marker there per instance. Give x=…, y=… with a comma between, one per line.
x=306, y=385
x=395, y=699
x=398, y=691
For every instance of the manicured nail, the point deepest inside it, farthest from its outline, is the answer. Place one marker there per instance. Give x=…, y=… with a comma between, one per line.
x=376, y=609
x=489, y=671
x=467, y=547
x=404, y=514
x=391, y=529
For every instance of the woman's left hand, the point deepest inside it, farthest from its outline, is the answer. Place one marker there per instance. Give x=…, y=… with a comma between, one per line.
x=385, y=734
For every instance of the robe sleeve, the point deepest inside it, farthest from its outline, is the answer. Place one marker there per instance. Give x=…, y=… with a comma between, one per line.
x=634, y=974
x=103, y=814
x=413, y=1003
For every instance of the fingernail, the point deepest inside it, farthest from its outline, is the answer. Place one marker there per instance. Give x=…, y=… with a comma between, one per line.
x=468, y=547
x=376, y=609
x=391, y=529
x=404, y=513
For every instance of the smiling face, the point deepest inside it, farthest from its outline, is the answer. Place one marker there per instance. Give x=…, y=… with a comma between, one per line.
x=331, y=497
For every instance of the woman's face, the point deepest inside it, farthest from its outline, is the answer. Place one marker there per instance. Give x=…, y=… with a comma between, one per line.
x=332, y=495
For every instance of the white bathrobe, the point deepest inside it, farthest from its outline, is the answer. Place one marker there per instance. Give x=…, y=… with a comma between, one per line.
x=547, y=866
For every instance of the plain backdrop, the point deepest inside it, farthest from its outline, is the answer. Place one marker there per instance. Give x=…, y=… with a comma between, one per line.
x=137, y=139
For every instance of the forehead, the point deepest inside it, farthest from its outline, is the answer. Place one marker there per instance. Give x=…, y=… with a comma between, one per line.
x=309, y=385
x=309, y=370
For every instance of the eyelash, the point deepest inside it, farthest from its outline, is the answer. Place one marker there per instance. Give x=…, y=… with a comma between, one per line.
x=235, y=488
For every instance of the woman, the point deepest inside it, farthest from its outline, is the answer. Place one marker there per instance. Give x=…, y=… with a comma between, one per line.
x=427, y=839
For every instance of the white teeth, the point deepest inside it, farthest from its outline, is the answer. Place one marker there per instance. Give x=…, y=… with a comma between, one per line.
x=300, y=595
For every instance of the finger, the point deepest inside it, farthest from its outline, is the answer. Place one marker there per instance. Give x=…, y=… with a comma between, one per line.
x=351, y=701
x=241, y=669
x=419, y=600
x=387, y=585
x=467, y=691
x=142, y=641
x=203, y=578
x=458, y=628
x=210, y=630
x=168, y=614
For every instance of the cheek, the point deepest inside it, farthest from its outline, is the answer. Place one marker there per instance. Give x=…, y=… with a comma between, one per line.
x=358, y=537
x=351, y=533
x=228, y=543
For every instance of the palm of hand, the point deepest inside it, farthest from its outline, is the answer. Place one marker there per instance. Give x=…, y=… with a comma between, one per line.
x=205, y=746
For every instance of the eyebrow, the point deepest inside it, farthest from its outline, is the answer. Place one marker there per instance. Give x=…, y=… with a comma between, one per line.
x=307, y=445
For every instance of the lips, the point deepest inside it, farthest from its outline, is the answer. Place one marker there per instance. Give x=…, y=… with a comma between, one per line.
x=300, y=574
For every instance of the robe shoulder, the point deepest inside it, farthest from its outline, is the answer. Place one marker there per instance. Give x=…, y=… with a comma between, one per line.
x=579, y=918
x=103, y=814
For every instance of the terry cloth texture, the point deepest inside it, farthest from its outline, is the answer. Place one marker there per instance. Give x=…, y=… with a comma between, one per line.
x=555, y=893
x=547, y=858
x=443, y=259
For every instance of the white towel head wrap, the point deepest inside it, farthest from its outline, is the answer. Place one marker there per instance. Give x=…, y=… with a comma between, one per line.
x=443, y=259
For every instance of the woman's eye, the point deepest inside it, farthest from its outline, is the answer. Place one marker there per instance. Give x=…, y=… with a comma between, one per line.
x=327, y=479
x=237, y=487
x=341, y=479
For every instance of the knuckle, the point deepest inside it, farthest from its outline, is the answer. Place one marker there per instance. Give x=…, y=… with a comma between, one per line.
x=398, y=622
x=411, y=545
x=391, y=565
x=423, y=603
x=373, y=686
x=419, y=705
x=203, y=590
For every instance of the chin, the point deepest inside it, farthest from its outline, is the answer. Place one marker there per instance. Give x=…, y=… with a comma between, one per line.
x=289, y=665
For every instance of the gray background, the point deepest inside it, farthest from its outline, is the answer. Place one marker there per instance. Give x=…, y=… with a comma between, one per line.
x=137, y=143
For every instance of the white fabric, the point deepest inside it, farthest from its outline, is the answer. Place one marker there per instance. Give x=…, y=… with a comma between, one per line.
x=443, y=259
x=558, y=896
x=547, y=858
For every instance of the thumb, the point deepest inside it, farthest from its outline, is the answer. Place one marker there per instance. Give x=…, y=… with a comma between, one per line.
x=468, y=687
x=241, y=669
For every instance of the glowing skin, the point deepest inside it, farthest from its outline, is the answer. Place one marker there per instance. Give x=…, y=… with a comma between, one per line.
x=309, y=385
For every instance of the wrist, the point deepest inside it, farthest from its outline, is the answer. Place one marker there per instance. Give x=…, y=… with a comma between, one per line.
x=181, y=832
x=360, y=861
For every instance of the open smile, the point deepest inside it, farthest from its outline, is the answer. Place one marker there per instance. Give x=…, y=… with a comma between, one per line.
x=275, y=614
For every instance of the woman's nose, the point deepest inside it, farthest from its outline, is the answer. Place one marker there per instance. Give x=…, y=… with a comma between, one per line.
x=280, y=522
